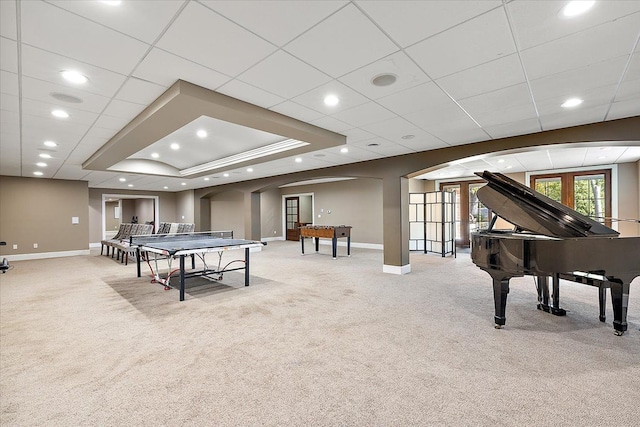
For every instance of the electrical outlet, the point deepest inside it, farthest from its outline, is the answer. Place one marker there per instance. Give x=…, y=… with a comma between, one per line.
x=35, y=246
x=15, y=246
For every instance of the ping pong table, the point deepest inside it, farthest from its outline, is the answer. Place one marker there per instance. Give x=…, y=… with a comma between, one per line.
x=172, y=246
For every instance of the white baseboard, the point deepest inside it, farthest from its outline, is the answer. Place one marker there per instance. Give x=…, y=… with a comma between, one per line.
x=271, y=239
x=43, y=255
x=95, y=245
x=343, y=244
x=394, y=269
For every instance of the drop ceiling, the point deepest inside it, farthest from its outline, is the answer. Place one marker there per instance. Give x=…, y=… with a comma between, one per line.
x=465, y=72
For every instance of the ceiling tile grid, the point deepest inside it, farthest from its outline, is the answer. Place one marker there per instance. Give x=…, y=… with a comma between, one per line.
x=464, y=71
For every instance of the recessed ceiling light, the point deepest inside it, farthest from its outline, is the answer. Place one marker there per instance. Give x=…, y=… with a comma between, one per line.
x=602, y=157
x=38, y=173
x=165, y=187
x=50, y=144
x=344, y=150
x=202, y=133
x=175, y=146
x=41, y=164
x=509, y=167
x=572, y=102
x=384, y=79
x=605, y=148
x=298, y=159
x=501, y=161
x=206, y=178
x=74, y=76
x=155, y=155
x=122, y=179
x=45, y=156
x=249, y=169
x=129, y=185
x=225, y=175
x=575, y=8
x=61, y=114
x=183, y=183
x=331, y=100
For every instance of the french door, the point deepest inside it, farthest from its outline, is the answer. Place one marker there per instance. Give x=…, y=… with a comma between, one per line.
x=471, y=214
x=292, y=215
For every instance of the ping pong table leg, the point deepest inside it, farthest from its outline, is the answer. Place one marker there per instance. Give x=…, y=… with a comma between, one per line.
x=246, y=266
x=302, y=243
x=181, y=277
x=334, y=246
x=138, y=258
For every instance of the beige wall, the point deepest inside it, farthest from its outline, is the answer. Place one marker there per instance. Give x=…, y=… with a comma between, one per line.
x=112, y=223
x=185, y=205
x=628, y=199
x=166, y=201
x=306, y=209
x=34, y=210
x=356, y=202
x=227, y=213
x=271, y=214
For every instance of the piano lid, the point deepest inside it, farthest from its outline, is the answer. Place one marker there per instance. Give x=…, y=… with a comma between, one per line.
x=532, y=211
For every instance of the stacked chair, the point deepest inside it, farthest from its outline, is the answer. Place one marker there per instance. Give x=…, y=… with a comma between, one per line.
x=121, y=241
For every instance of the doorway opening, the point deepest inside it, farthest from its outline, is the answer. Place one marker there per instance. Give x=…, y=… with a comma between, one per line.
x=297, y=211
x=123, y=208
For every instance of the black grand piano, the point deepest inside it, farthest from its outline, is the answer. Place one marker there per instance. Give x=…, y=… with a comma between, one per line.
x=552, y=242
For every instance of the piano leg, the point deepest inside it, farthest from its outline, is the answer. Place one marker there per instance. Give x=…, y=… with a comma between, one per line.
x=500, y=291
x=602, y=293
x=555, y=307
x=542, y=286
x=620, y=302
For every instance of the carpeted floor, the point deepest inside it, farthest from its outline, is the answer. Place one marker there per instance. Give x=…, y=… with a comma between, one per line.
x=312, y=342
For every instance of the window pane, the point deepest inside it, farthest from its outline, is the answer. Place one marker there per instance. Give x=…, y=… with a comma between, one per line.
x=589, y=197
x=550, y=187
x=478, y=213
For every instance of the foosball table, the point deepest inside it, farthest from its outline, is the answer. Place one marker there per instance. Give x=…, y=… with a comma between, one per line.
x=329, y=232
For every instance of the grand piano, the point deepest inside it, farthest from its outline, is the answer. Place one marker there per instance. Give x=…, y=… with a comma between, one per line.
x=551, y=242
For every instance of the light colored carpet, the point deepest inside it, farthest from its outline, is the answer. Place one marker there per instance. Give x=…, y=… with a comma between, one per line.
x=312, y=342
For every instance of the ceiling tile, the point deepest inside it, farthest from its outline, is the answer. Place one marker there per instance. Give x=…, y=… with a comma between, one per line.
x=111, y=122
x=202, y=36
x=591, y=46
x=10, y=103
x=522, y=127
x=497, y=74
x=125, y=17
x=591, y=98
x=475, y=42
x=251, y=94
x=573, y=117
x=383, y=147
x=392, y=129
x=9, y=83
x=43, y=109
x=8, y=55
x=165, y=69
x=622, y=109
x=343, y=42
x=42, y=91
x=364, y=114
x=457, y=132
x=139, y=91
x=427, y=96
x=109, y=49
x=575, y=82
x=273, y=20
x=296, y=111
x=43, y=65
x=407, y=73
x=127, y=110
x=538, y=22
x=355, y=135
x=408, y=22
x=284, y=75
x=314, y=99
x=8, y=20
x=331, y=124
x=631, y=154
